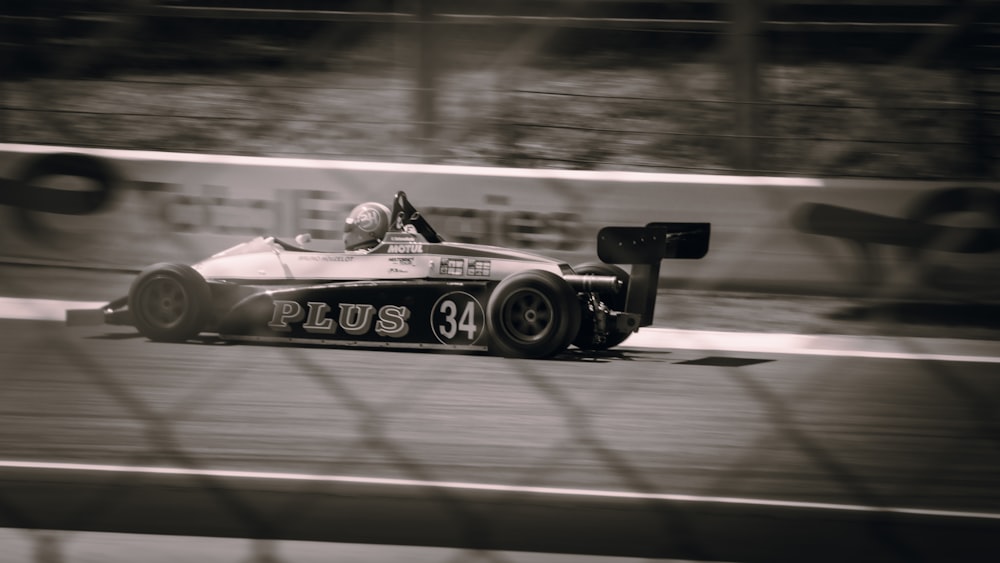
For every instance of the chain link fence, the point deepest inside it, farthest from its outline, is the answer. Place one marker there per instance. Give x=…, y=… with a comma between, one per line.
x=583, y=85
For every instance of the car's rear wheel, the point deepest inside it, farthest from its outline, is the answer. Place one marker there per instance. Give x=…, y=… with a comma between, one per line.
x=532, y=314
x=169, y=302
x=616, y=301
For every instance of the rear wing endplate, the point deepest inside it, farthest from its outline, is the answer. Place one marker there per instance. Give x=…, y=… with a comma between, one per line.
x=644, y=248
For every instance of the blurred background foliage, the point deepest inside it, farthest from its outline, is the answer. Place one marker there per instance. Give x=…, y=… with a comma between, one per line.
x=887, y=88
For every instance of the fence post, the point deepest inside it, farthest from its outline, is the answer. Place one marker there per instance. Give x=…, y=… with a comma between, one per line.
x=743, y=58
x=982, y=73
x=427, y=61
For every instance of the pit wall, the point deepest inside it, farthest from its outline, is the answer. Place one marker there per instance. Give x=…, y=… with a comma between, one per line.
x=154, y=207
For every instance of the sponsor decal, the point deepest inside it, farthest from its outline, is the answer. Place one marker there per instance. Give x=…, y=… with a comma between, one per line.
x=406, y=248
x=355, y=319
x=479, y=267
x=392, y=321
x=401, y=264
x=400, y=237
x=457, y=318
x=215, y=209
x=452, y=266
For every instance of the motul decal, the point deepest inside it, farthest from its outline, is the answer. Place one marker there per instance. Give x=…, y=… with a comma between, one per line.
x=354, y=318
x=409, y=248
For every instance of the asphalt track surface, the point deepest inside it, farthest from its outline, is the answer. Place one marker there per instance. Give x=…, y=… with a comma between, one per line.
x=839, y=430
x=844, y=429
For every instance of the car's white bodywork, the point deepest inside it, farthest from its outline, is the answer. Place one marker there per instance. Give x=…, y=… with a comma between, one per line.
x=269, y=260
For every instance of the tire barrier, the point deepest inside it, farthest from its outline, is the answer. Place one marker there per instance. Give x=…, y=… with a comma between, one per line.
x=971, y=216
x=26, y=191
x=949, y=239
x=93, y=183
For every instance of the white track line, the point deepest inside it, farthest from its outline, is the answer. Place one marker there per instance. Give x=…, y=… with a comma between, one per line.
x=42, y=309
x=487, y=487
x=888, y=348
x=878, y=347
x=407, y=168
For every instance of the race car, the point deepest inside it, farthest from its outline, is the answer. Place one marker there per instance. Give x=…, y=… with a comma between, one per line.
x=399, y=284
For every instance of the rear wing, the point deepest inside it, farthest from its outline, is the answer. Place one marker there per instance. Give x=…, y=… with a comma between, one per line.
x=654, y=242
x=644, y=248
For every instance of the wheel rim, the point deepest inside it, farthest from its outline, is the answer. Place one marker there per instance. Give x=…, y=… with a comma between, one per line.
x=163, y=302
x=528, y=315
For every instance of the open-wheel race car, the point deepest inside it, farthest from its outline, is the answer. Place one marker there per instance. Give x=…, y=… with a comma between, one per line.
x=399, y=284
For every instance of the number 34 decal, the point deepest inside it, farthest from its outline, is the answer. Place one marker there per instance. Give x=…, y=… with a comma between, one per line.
x=457, y=318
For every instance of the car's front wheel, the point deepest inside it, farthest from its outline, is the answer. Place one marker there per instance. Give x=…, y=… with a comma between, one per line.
x=532, y=314
x=169, y=302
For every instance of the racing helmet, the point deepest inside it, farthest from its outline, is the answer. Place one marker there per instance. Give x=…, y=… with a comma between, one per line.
x=365, y=226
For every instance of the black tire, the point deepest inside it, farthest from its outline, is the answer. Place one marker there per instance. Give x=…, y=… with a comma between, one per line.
x=33, y=202
x=170, y=302
x=963, y=273
x=532, y=314
x=616, y=301
x=69, y=202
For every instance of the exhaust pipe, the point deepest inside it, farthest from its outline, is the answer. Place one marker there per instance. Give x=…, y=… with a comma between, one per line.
x=590, y=283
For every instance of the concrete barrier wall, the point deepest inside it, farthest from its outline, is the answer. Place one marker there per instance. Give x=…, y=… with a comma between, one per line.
x=182, y=207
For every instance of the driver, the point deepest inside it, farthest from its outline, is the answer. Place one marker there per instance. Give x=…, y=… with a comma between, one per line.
x=366, y=226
